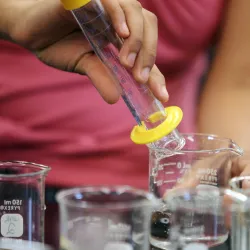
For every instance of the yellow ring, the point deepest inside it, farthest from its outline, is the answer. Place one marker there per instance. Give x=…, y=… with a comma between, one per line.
x=74, y=4
x=140, y=135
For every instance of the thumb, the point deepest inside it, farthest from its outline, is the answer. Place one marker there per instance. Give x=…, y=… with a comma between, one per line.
x=74, y=54
x=100, y=76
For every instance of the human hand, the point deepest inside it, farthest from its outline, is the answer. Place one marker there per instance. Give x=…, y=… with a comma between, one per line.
x=44, y=27
x=241, y=173
x=216, y=170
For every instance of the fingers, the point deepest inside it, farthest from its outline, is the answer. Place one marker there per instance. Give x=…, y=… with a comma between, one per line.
x=103, y=81
x=157, y=84
x=139, y=50
x=139, y=28
x=117, y=16
x=73, y=54
x=241, y=166
x=146, y=57
x=241, y=171
x=135, y=21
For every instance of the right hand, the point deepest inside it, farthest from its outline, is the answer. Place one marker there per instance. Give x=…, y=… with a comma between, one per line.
x=45, y=27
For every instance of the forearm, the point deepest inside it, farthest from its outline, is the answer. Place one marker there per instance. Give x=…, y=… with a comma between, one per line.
x=226, y=112
x=225, y=103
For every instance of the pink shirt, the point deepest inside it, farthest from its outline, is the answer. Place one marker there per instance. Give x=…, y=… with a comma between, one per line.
x=58, y=118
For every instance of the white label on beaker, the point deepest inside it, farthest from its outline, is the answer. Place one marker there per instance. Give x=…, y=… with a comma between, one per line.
x=12, y=225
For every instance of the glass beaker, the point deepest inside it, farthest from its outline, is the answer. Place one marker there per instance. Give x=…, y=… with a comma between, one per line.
x=242, y=184
x=105, y=218
x=205, y=160
x=22, y=205
x=205, y=217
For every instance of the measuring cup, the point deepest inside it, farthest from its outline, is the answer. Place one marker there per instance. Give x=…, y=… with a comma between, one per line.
x=105, y=218
x=205, y=217
x=204, y=160
x=22, y=201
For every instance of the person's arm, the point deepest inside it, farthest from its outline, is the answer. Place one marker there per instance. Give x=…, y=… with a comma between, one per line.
x=225, y=103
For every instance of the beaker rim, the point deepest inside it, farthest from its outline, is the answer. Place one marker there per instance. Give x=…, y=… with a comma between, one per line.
x=236, y=149
x=42, y=169
x=149, y=198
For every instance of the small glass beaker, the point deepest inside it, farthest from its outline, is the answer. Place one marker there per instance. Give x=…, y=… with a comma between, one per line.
x=205, y=160
x=22, y=186
x=205, y=217
x=105, y=218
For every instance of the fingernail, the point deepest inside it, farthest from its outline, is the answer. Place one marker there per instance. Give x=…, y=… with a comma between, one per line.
x=124, y=28
x=131, y=59
x=145, y=74
x=164, y=93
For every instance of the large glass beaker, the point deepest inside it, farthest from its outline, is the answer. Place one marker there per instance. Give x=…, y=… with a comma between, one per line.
x=205, y=160
x=22, y=207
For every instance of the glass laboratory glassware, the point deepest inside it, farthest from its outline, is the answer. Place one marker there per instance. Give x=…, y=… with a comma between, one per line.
x=22, y=205
x=242, y=184
x=205, y=160
x=105, y=218
x=205, y=217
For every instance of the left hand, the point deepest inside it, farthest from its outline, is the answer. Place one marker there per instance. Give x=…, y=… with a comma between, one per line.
x=225, y=167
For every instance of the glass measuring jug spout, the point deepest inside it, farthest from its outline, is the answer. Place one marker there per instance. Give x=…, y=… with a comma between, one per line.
x=154, y=121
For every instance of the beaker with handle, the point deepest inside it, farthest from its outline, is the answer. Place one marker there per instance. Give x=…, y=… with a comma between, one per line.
x=22, y=205
x=205, y=160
